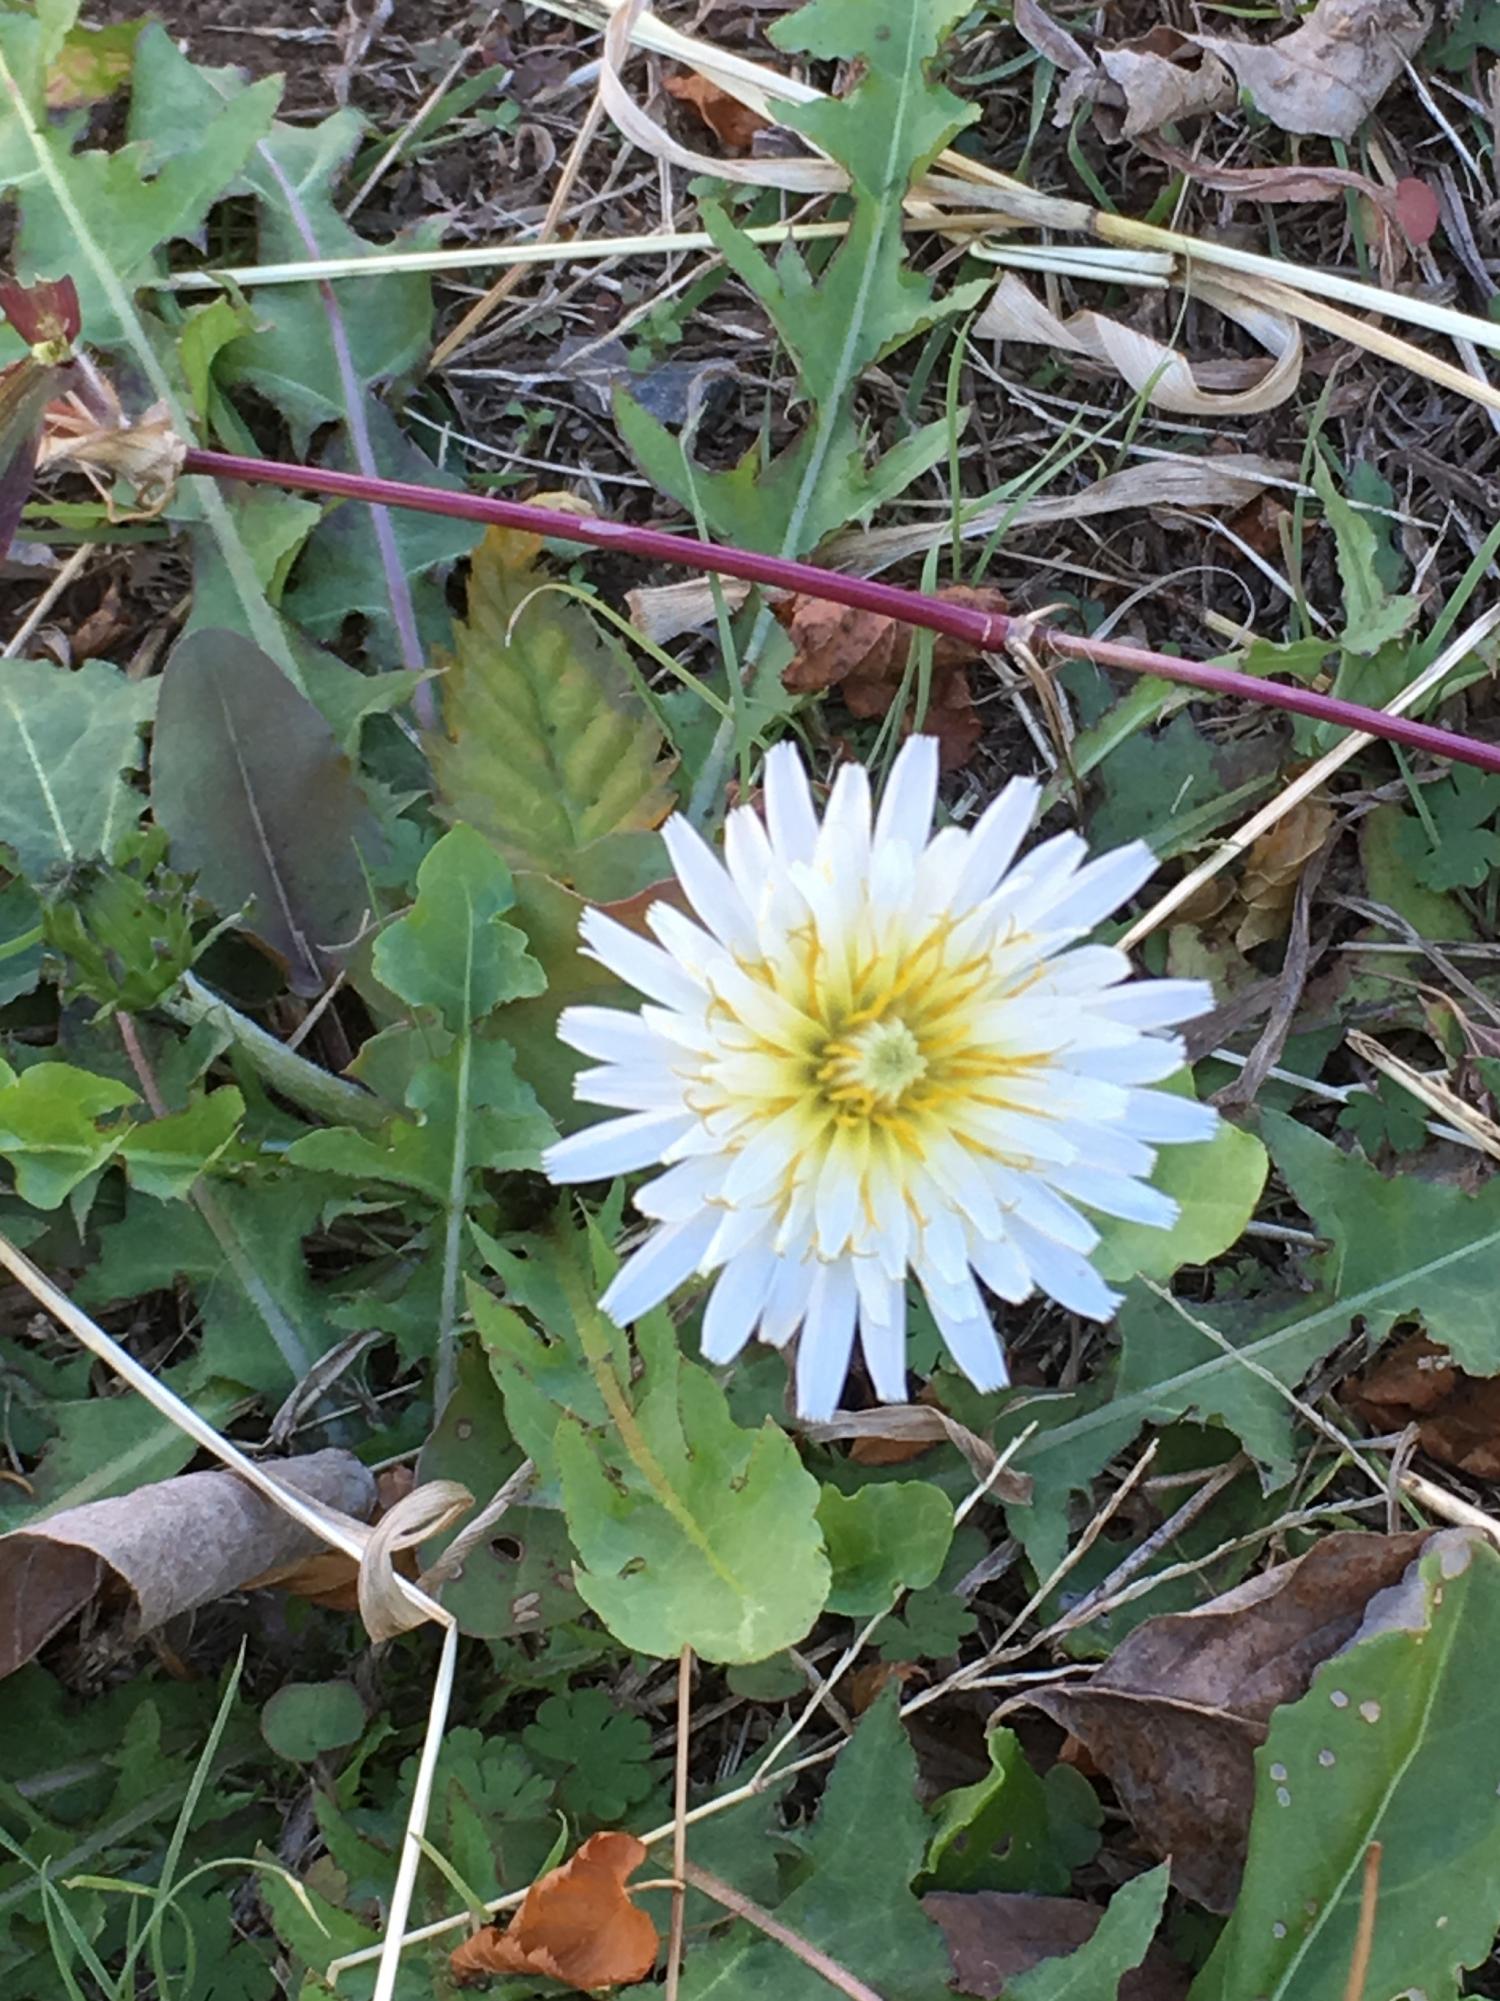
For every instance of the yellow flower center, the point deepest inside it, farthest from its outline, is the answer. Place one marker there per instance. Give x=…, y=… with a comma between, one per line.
x=875, y=1066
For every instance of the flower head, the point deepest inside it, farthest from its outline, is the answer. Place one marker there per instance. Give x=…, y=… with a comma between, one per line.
x=879, y=1054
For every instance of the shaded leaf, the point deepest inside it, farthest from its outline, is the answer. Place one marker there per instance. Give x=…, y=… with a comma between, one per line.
x=259, y=801
x=600, y=1753
x=1457, y=1415
x=1392, y=1743
x=303, y=1719
x=1273, y=869
x=1000, y=1944
x=576, y=1925
x=545, y=748
x=1173, y=1718
x=66, y=739
x=882, y=1540
x=1013, y=1830
x=170, y=1548
x=853, y=1897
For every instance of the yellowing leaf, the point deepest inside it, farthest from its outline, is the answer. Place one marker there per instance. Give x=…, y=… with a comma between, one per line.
x=545, y=748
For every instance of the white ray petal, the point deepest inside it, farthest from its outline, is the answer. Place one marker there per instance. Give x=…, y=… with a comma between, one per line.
x=735, y=1304
x=997, y=834
x=790, y=818
x=611, y=1035
x=615, y=1146
x=635, y=1087
x=882, y=1340
x=668, y=1257
x=1065, y=1275
x=1111, y=1195
x=638, y=962
x=971, y=1341
x=1161, y=1118
x=710, y=889
x=1157, y=1003
x=910, y=795
x=826, y=1341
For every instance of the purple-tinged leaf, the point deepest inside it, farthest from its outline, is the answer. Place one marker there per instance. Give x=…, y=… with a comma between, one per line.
x=259, y=801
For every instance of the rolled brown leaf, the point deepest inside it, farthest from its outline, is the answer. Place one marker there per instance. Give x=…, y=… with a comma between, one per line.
x=166, y=1548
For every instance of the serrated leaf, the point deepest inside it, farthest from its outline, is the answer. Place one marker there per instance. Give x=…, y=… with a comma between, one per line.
x=1372, y=617
x=65, y=741
x=853, y=1898
x=1393, y=1743
x=600, y=1753
x=450, y=952
x=264, y=1324
x=164, y=1157
x=157, y=187
x=864, y=302
x=259, y=801
x=50, y=1129
x=290, y=359
x=705, y=1536
x=1119, y=1944
x=545, y=747
x=882, y=1540
x=1216, y=1185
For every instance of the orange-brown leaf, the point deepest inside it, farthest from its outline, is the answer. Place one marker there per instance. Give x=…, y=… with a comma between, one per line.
x=576, y=1924
x=1273, y=868
x=864, y=655
x=733, y=124
x=1457, y=1415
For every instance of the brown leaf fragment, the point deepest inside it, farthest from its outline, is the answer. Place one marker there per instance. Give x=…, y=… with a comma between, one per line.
x=1175, y=1715
x=994, y=1936
x=328, y=1577
x=1329, y=73
x=1273, y=868
x=576, y=1924
x=1457, y=1415
x=733, y=124
x=1162, y=80
x=864, y=656
x=165, y=1549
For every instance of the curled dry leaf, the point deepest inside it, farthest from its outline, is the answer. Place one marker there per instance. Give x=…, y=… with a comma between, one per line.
x=576, y=1924
x=733, y=124
x=1138, y=86
x=1273, y=868
x=1175, y=1715
x=163, y=1550
x=1457, y=1415
x=914, y=1427
x=864, y=656
x=994, y=1936
x=1329, y=74
x=1151, y=368
x=328, y=1577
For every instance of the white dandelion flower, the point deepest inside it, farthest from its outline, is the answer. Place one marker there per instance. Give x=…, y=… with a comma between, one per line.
x=879, y=1055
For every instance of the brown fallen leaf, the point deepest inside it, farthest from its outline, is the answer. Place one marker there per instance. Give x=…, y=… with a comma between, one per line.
x=733, y=124
x=994, y=1936
x=1155, y=79
x=163, y=1550
x=864, y=655
x=1457, y=1415
x=576, y=1924
x=1175, y=1715
x=1273, y=868
x=1330, y=72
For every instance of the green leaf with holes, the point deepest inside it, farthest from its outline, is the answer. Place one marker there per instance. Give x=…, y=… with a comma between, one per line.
x=1396, y=1742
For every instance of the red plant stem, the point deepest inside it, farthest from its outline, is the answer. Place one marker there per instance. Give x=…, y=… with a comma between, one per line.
x=988, y=632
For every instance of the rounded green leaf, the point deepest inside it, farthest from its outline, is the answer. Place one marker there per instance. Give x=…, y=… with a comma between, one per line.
x=882, y=1540
x=1215, y=1185
x=306, y=1718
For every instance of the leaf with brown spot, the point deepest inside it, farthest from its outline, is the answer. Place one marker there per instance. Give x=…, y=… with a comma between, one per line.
x=733, y=124
x=1175, y=1716
x=1273, y=868
x=864, y=656
x=1457, y=1415
x=576, y=1924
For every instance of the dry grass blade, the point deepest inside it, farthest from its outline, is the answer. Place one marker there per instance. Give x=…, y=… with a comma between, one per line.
x=1364, y=1938
x=1430, y=1091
